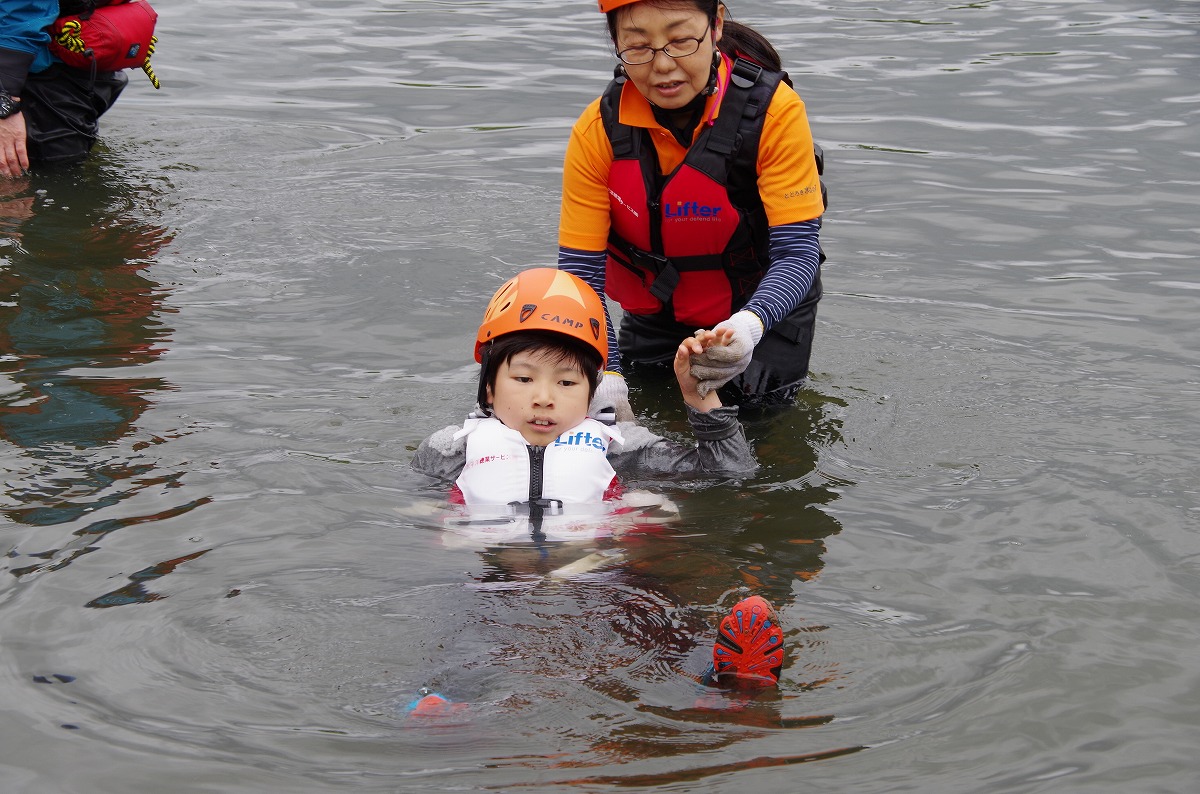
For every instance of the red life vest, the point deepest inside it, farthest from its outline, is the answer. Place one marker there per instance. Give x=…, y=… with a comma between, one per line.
x=692, y=242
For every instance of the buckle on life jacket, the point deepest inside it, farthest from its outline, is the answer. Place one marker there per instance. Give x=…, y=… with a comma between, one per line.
x=648, y=261
x=537, y=510
x=538, y=507
x=665, y=274
x=745, y=74
x=663, y=286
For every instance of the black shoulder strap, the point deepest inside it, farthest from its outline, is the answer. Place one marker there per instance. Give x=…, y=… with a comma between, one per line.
x=730, y=150
x=631, y=143
x=620, y=135
x=745, y=128
x=723, y=138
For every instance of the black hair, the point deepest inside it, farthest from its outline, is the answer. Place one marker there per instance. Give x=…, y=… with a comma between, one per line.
x=560, y=347
x=737, y=40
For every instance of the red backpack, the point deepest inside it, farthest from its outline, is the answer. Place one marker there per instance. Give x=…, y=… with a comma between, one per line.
x=119, y=35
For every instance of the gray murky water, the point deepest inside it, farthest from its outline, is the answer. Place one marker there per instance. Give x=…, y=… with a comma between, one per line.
x=224, y=336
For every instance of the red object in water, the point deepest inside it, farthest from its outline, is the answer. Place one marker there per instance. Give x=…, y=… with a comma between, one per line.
x=749, y=646
x=434, y=705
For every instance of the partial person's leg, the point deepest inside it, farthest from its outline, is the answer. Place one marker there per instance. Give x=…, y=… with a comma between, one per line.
x=650, y=340
x=62, y=108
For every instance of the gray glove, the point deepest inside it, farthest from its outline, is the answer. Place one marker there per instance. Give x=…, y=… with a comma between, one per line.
x=611, y=400
x=720, y=364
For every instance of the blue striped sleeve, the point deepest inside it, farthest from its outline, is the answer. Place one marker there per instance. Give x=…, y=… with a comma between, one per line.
x=589, y=266
x=795, y=257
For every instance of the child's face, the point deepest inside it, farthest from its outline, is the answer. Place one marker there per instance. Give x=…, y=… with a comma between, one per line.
x=539, y=396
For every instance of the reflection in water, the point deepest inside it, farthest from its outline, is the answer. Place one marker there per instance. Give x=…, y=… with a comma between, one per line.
x=767, y=534
x=77, y=310
x=76, y=297
x=636, y=628
x=135, y=592
x=705, y=772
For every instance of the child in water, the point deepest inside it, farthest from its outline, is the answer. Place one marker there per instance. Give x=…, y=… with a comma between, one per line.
x=531, y=448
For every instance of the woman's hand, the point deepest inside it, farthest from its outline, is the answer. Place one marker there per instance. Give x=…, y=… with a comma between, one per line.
x=722, y=363
x=612, y=396
x=689, y=384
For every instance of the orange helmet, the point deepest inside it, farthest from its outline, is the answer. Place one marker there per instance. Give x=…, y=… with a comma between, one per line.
x=545, y=299
x=610, y=5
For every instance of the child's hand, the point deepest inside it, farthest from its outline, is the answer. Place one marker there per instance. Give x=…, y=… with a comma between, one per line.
x=695, y=345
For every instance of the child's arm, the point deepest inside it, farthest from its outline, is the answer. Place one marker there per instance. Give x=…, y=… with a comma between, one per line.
x=441, y=455
x=688, y=383
x=721, y=449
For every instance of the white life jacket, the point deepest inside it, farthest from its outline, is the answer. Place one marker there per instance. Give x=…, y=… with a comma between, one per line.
x=488, y=526
x=575, y=467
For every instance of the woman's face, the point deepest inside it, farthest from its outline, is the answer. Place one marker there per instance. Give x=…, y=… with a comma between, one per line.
x=670, y=83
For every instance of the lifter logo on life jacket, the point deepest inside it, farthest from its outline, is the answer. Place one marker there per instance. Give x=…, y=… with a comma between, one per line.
x=690, y=210
x=581, y=438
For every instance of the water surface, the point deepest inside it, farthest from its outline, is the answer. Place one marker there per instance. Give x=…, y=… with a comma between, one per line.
x=226, y=333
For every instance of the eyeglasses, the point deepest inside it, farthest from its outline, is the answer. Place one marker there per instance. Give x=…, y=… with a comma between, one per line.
x=679, y=48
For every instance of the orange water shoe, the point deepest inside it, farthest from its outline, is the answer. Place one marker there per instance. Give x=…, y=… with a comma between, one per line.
x=749, y=646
